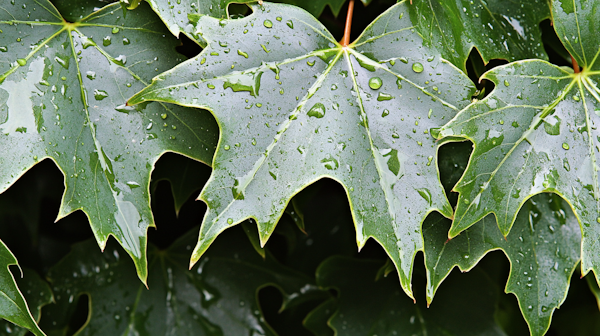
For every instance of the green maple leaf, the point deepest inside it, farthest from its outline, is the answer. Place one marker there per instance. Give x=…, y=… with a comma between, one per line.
x=216, y=297
x=543, y=248
x=37, y=294
x=14, y=306
x=370, y=304
x=294, y=106
x=182, y=15
x=537, y=132
x=62, y=96
x=501, y=29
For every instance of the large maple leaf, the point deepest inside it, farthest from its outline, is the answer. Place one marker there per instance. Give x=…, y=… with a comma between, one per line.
x=295, y=106
x=538, y=132
x=62, y=96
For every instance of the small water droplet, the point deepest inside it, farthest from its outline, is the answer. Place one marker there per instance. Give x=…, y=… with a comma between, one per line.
x=417, y=67
x=506, y=83
x=115, y=30
x=565, y=146
x=226, y=147
x=268, y=24
x=22, y=61
x=230, y=221
x=375, y=83
x=106, y=41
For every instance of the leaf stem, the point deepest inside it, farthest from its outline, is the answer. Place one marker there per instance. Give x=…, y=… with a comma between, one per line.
x=346, y=39
x=575, y=65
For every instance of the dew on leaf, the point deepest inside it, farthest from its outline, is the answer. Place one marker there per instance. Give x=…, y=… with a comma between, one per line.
x=565, y=145
x=22, y=61
x=106, y=41
x=384, y=96
x=268, y=24
x=317, y=111
x=100, y=94
x=290, y=24
x=417, y=67
x=330, y=163
x=230, y=221
x=375, y=83
x=115, y=30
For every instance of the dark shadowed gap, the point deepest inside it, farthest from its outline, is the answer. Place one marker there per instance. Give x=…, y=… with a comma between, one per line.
x=579, y=315
x=557, y=54
x=80, y=315
x=28, y=211
x=476, y=68
x=169, y=225
x=289, y=321
x=453, y=159
x=188, y=48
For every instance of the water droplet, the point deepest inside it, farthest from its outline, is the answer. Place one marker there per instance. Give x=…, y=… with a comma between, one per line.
x=268, y=24
x=126, y=41
x=163, y=116
x=330, y=163
x=115, y=30
x=3, y=49
x=106, y=41
x=426, y=194
x=226, y=147
x=565, y=145
x=133, y=184
x=290, y=24
x=91, y=75
x=375, y=83
x=230, y=221
x=241, y=53
x=385, y=113
x=100, y=94
x=506, y=83
x=399, y=83
x=417, y=67
x=317, y=111
x=384, y=96
x=22, y=61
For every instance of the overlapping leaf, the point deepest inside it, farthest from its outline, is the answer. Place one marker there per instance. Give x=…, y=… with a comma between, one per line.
x=37, y=294
x=370, y=306
x=294, y=106
x=13, y=307
x=536, y=132
x=62, y=96
x=503, y=29
x=216, y=297
x=543, y=248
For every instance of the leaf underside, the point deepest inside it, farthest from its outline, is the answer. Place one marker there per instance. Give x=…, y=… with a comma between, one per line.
x=296, y=110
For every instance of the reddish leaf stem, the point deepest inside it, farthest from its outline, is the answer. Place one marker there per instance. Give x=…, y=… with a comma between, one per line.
x=346, y=39
x=575, y=65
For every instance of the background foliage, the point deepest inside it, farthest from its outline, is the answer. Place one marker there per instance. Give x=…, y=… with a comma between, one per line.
x=69, y=141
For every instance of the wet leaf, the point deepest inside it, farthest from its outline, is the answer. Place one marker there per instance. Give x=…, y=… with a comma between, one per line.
x=370, y=306
x=62, y=96
x=298, y=109
x=36, y=292
x=537, y=132
x=13, y=307
x=543, y=249
x=216, y=297
x=501, y=29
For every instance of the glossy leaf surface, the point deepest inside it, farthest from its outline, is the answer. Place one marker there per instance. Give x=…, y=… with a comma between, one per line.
x=296, y=110
x=216, y=297
x=13, y=307
x=502, y=29
x=36, y=293
x=370, y=306
x=537, y=132
x=543, y=249
x=62, y=96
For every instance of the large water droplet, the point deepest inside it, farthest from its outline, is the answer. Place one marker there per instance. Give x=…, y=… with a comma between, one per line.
x=330, y=163
x=375, y=83
x=100, y=94
x=417, y=67
x=317, y=111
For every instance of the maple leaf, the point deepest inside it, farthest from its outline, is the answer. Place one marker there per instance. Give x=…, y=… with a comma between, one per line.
x=543, y=248
x=294, y=106
x=538, y=132
x=500, y=29
x=62, y=96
